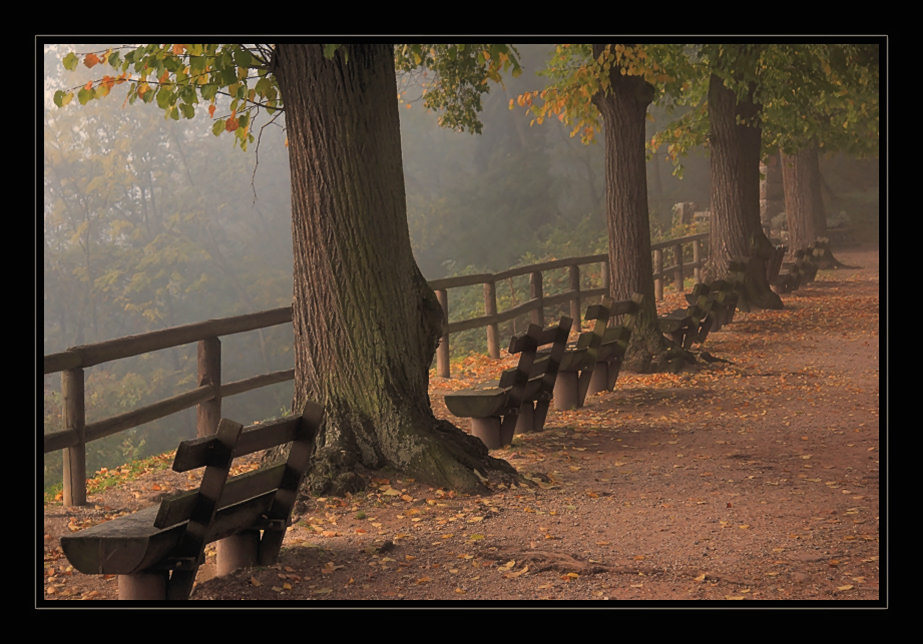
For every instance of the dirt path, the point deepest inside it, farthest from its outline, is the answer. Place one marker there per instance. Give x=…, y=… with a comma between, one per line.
x=754, y=479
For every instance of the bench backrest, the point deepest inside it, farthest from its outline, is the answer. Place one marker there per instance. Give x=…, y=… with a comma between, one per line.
x=215, y=453
x=598, y=314
x=531, y=366
x=526, y=346
x=222, y=506
x=547, y=367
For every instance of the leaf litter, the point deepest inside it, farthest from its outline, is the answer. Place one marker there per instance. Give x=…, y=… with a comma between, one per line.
x=735, y=481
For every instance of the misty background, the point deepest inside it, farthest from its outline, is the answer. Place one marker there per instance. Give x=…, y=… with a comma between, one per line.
x=151, y=223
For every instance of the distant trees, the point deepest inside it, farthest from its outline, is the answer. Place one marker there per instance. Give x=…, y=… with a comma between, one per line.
x=491, y=201
x=728, y=93
x=821, y=98
x=133, y=241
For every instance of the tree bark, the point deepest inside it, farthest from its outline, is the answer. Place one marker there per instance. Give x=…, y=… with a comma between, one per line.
x=805, y=213
x=736, y=231
x=624, y=112
x=799, y=200
x=366, y=324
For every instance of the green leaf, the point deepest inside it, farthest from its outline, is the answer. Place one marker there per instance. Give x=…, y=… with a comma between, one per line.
x=62, y=98
x=164, y=98
x=243, y=58
x=188, y=110
x=70, y=61
x=218, y=127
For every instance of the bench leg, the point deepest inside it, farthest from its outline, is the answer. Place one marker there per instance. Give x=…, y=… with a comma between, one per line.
x=144, y=586
x=237, y=551
x=612, y=374
x=599, y=379
x=525, y=423
x=488, y=430
x=566, y=395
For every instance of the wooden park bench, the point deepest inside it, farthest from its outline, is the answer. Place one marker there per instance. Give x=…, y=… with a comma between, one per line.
x=519, y=403
x=157, y=551
x=807, y=262
x=689, y=325
x=611, y=351
x=579, y=360
x=795, y=274
x=774, y=265
x=721, y=301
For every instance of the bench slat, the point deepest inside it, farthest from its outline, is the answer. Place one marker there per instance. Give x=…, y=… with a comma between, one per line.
x=178, y=508
x=194, y=453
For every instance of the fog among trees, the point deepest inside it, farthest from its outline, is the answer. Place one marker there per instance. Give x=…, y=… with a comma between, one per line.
x=152, y=222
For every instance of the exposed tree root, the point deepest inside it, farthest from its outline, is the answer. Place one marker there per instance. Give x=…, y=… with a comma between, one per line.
x=442, y=456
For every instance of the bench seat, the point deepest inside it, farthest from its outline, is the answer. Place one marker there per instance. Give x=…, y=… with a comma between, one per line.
x=519, y=402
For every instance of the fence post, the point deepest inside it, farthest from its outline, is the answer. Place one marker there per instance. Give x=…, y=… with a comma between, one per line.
x=490, y=308
x=208, y=412
x=75, y=457
x=574, y=274
x=442, y=351
x=678, y=254
x=697, y=259
x=658, y=275
x=535, y=292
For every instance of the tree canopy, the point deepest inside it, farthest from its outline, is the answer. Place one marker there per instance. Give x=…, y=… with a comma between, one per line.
x=184, y=78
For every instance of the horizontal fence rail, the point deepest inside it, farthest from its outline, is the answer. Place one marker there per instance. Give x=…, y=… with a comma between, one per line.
x=677, y=271
x=206, y=397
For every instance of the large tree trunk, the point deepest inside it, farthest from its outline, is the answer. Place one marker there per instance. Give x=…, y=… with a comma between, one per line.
x=624, y=112
x=736, y=231
x=366, y=323
x=805, y=213
x=799, y=199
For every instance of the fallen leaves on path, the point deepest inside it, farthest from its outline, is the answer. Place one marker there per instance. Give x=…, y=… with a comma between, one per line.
x=742, y=481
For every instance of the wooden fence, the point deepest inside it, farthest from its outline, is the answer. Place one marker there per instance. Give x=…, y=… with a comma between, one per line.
x=207, y=396
x=574, y=296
